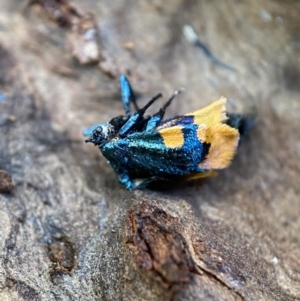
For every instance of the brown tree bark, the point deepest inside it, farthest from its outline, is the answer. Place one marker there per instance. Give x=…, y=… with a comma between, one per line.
x=68, y=230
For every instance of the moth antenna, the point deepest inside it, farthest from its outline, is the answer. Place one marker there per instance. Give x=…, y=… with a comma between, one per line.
x=172, y=97
x=151, y=101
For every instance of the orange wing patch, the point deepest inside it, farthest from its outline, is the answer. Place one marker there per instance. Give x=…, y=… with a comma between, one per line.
x=172, y=136
x=212, y=114
x=223, y=144
x=201, y=175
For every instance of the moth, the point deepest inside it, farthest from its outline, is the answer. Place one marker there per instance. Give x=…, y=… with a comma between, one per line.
x=142, y=149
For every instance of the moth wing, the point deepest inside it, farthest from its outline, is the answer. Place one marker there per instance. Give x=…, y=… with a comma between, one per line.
x=223, y=141
x=200, y=175
x=222, y=138
x=163, y=152
x=172, y=136
x=212, y=114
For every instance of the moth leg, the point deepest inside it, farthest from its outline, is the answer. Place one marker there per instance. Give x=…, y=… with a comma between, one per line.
x=126, y=181
x=136, y=117
x=142, y=183
x=157, y=118
x=123, y=176
x=127, y=95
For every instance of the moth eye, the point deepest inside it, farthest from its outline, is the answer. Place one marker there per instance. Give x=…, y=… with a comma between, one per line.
x=99, y=130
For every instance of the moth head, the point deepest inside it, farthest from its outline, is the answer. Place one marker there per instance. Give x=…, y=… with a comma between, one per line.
x=101, y=134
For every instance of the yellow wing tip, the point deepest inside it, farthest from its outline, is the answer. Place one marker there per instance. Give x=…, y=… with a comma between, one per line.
x=222, y=100
x=212, y=114
x=223, y=144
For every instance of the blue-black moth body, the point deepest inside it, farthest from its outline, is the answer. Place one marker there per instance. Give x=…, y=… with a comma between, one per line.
x=142, y=149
